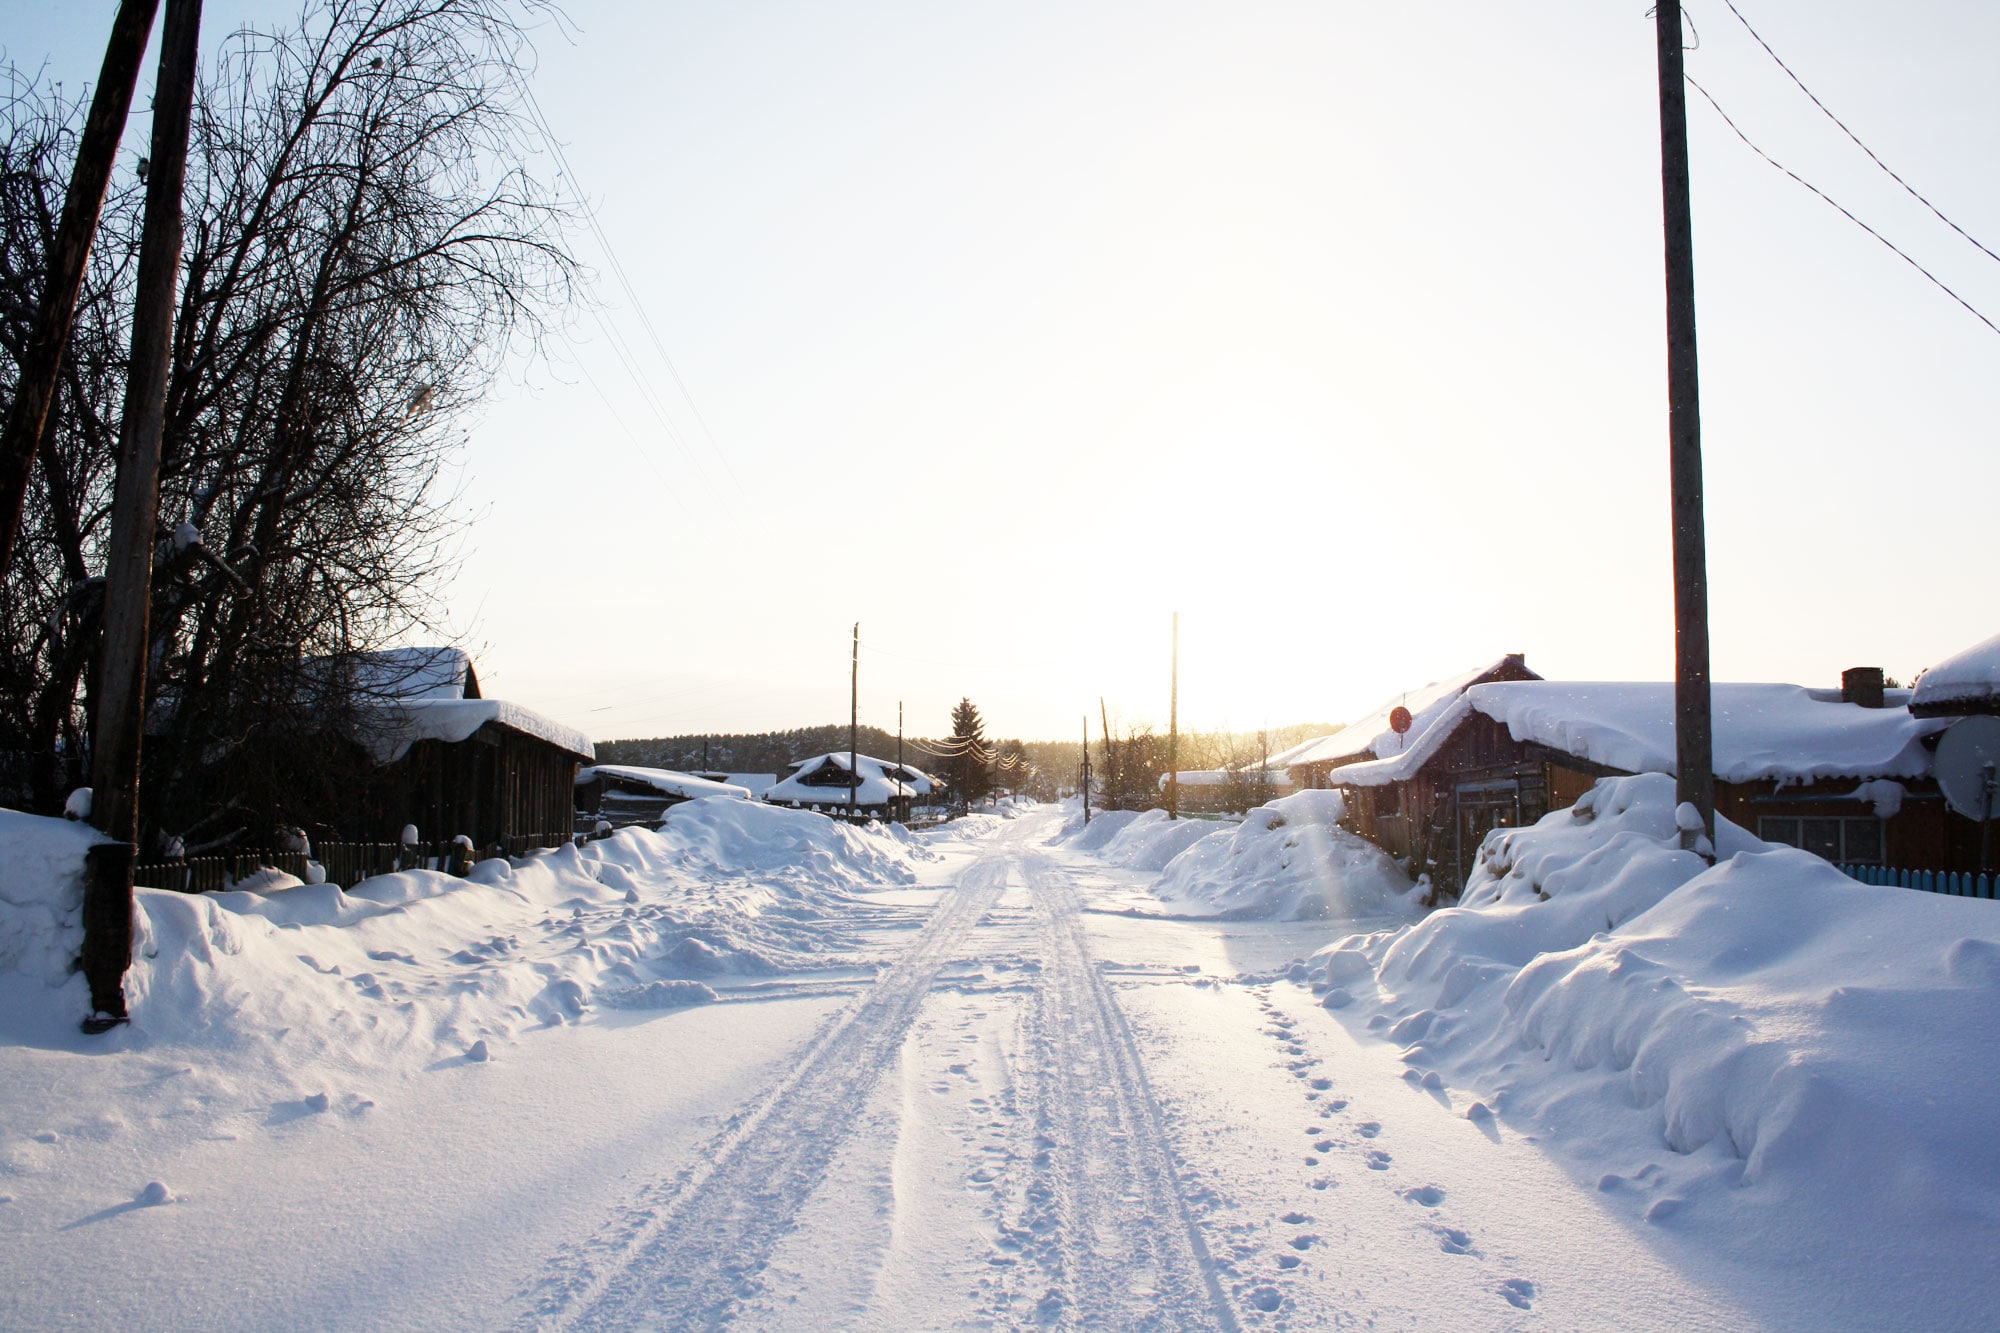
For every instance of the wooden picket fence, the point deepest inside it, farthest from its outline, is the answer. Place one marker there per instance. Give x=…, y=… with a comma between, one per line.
x=346, y=863
x=1956, y=883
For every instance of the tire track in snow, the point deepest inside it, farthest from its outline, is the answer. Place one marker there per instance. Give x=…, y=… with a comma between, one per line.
x=695, y=1244
x=1119, y=1240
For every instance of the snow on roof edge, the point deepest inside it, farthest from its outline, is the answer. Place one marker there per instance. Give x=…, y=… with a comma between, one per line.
x=396, y=725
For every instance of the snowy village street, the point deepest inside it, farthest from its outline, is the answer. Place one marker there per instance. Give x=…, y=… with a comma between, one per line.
x=989, y=1138
x=762, y=1070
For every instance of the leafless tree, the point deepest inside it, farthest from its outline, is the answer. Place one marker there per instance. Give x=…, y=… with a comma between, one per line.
x=365, y=250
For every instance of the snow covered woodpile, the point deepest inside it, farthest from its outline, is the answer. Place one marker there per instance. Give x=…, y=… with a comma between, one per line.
x=1743, y=1048
x=1800, y=766
x=622, y=794
x=881, y=788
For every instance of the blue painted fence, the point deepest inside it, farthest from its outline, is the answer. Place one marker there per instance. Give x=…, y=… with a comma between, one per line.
x=1959, y=884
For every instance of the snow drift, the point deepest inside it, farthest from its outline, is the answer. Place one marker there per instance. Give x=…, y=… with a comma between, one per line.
x=1766, y=1040
x=406, y=967
x=1288, y=860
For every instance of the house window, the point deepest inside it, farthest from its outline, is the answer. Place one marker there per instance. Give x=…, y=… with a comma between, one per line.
x=1845, y=839
x=1388, y=802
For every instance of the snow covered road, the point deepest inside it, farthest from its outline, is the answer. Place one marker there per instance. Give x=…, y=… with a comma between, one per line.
x=1076, y=1219
x=982, y=1083
x=1042, y=1115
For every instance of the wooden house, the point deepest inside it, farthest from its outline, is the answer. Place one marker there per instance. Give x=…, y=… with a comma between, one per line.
x=1842, y=773
x=442, y=757
x=881, y=789
x=1312, y=763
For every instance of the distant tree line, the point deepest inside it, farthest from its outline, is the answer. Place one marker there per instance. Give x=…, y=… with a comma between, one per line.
x=1125, y=776
x=755, y=752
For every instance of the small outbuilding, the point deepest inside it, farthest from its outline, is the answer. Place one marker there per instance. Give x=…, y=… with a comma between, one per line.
x=621, y=794
x=453, y=762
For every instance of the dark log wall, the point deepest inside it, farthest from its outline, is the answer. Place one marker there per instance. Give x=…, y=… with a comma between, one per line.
x=494, y=785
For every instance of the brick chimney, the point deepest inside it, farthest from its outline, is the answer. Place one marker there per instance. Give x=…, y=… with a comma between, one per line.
x=1862, y=685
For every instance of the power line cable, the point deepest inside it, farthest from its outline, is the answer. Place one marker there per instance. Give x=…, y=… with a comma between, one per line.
x=625, y=283
x=1855, y=138
x=1935, y=280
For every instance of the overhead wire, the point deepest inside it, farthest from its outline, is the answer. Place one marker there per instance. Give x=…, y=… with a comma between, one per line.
x=1853, y=137
x=1841, y=209
x=653, y=399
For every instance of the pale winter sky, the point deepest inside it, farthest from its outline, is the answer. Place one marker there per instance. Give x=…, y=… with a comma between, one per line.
x=1336, y=327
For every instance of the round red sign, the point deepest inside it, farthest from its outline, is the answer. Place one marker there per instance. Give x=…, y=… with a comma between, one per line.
x=1399, y=719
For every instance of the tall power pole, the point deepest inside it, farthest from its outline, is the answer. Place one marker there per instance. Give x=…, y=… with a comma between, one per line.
x=1174, y=730
x=1110, y=755
x=854, y=723
x=899, y=749
x=135, y=506
x=41, y=359
x=1086, y=769
x=1693, y=754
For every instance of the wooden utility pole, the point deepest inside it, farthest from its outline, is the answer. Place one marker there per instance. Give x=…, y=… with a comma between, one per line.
x=899, y=753
x=1174, y=730
x=41, y=359
x=1110, y=755
x=854, y=723
x=1693, y=755
x=1086, y=770
x=135, y=506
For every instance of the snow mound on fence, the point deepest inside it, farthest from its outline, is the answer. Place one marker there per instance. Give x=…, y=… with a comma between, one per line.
x=1288, y=860
x=298, y=978
x=1764, y=1045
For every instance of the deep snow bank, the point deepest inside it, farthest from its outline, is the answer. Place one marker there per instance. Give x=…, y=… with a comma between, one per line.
x=1289, y=861
x=1137, y=839
x=1765, y=1046
x=408, y=967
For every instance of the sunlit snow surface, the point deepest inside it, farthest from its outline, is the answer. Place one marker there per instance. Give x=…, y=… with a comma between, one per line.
x=767, y=1071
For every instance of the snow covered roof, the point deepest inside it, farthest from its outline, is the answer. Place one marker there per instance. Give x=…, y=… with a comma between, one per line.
x=1785, y=732
x=406, y=695
x=665, y=780
x=407, y=673
x=1371, y=737
x=388, y=729
x=878, y=784
x=1965, y=682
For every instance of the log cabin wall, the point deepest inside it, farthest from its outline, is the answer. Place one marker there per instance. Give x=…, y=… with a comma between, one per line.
x=496, y=784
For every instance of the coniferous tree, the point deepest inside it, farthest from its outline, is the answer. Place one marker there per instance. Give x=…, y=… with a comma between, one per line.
x=969, y=769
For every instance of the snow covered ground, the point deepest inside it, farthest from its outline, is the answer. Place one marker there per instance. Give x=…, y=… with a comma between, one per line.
x=766, y=1070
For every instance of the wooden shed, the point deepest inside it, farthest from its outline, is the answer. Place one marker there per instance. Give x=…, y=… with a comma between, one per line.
x=454, y=763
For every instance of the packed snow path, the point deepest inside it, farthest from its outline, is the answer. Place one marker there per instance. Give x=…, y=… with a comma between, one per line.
x=1050, y=1114
x=1086, y=1222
